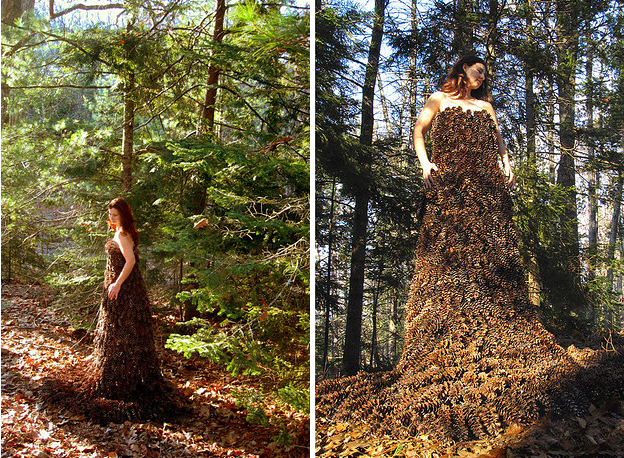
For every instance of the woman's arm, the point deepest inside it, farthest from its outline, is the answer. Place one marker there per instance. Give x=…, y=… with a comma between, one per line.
x=126, y=247
x=502, y=150
x=432, y=106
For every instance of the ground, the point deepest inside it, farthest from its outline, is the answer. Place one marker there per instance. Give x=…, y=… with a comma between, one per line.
x=38, y=343
x=600, y=433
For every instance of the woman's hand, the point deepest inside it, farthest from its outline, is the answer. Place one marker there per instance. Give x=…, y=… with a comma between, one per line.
x=113, y=290
x=511, y=179
x=427, y=177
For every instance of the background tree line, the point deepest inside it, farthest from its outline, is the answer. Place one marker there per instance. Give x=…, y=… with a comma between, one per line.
x=198, y=114
x=556, y=72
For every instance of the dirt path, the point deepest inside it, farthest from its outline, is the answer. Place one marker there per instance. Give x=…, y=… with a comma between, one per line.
x=38, y=343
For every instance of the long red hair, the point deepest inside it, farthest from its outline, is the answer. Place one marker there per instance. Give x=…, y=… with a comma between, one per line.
x=126, y=219
x=455, y=83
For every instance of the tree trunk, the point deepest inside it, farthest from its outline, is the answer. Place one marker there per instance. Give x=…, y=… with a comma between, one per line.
x=128, y=135
x=374, y=356
x=328, y=292
x=533, y=266
x=384, y=104
x=353, y=334
x=613, y=234
x=567, y=34
x=4, y=96
x=592, y=176
x=463, y=38
x=13, y=9
x=208, y=111
x=394, y=323
x=550, y=129
x=413, y=89
x=490, y=46
x=127, y=143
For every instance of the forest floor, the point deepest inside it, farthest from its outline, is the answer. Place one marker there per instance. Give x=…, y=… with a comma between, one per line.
x=37, y=343
x=600, y=433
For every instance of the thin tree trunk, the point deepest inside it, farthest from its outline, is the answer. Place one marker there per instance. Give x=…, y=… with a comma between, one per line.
x=550, y=135
x=128, y=135
x=374, y=356
x=592, y=177
x=208, y=111
x=533, y=266
x=328, y=295
x=567, y=45
x=613, y=234
x=4, y=96
x=384, y=104
x=490, y=45
x=353, y=333
x=374, y=337
x=413, y=89
x=394, y=326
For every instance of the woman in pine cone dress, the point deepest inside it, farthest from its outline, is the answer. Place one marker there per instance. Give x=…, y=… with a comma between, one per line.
x=124, y=363
x=475, y=356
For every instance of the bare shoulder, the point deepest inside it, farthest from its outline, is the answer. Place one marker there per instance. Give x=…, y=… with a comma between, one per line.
x=485, y=105
x=126, y=240
x=437, y=97
x=434, y=102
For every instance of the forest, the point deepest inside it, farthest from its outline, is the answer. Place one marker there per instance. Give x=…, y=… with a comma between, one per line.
x=197, y=114
x=556, y=74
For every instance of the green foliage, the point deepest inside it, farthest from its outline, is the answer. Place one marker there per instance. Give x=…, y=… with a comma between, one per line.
x=219, y=346
x=255, y=403
x=252, y=401
x=296, y=397
x=539, y=209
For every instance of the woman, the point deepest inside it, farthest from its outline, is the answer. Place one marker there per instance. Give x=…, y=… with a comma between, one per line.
x=124, y=365
x=467, y=75
x=475, y=357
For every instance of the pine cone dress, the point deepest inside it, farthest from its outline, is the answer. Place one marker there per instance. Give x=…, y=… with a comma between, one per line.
x=475, y=356
x=125, y=365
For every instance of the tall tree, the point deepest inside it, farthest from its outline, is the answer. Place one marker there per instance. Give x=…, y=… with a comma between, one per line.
x=353, y=333
x=531, y=132
x=567, y=57
x=592, y=173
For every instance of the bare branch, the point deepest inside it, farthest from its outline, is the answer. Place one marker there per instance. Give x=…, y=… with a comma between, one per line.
x=80, y=6
x=57, y=86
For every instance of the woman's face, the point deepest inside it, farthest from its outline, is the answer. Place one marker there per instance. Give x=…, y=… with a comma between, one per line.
x=113, y=215
x=475, y=75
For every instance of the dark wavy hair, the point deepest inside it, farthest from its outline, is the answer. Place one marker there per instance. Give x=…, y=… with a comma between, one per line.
x=455, y=82
x=126, y=217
